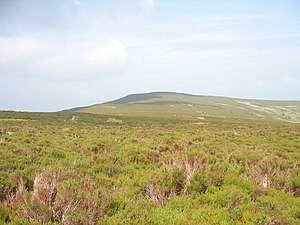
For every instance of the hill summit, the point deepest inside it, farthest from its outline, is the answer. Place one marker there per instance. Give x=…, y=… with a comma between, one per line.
x=171, y=104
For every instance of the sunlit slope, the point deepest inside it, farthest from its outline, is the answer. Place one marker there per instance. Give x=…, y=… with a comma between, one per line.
x=177, y=105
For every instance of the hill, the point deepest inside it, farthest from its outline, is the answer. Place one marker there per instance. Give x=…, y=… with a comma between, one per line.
x=156, y=158
x=187, y=106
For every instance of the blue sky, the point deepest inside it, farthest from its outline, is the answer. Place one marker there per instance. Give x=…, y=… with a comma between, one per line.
x=61, y=54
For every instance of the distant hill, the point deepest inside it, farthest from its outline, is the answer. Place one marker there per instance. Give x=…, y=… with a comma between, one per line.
x=179, y=105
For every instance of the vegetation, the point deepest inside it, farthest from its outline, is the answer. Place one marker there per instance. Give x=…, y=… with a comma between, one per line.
x=79, y=168
x=170, y=105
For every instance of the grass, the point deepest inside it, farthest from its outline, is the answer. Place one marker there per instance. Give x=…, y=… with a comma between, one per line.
x=168, y=105
x=151, y=167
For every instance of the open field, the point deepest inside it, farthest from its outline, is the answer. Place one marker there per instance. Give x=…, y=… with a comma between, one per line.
x=170, y=105
x=151, y=167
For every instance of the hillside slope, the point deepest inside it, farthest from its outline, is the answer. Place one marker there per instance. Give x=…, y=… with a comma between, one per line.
x=170, y=104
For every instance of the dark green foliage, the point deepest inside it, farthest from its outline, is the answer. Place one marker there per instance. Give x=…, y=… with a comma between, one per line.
x=198, y=184
x=296, y=185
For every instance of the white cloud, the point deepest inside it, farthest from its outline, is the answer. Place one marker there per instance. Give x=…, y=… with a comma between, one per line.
x=63, y=61
x=18, y=49
x=113, y=53
x=147, y=4
x=85, y=63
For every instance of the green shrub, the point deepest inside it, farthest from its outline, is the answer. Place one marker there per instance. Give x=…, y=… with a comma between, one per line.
x=296, y=185
x=198, y=184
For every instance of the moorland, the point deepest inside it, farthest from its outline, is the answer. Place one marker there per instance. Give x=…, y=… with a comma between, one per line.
x=156, y=158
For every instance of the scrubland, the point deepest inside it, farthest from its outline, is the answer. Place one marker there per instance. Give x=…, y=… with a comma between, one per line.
x=79, y=168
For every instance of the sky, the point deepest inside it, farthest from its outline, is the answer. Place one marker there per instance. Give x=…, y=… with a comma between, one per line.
x=59, y=54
